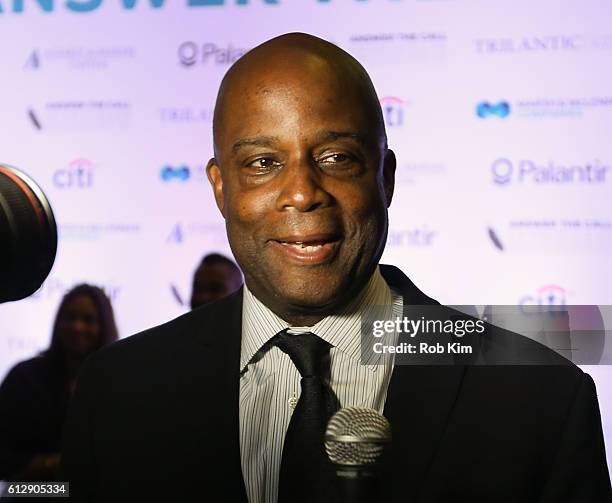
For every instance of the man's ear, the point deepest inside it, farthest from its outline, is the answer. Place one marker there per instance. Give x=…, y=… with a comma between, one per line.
x=389, y=165
x=213, y=172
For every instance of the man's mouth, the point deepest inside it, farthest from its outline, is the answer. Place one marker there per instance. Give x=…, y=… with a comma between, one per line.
x=309, y=249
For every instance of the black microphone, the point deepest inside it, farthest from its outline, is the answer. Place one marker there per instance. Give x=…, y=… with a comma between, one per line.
x=354, y=440
x=28, y=235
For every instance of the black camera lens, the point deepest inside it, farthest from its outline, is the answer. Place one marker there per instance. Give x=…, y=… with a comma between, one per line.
x=28, y=235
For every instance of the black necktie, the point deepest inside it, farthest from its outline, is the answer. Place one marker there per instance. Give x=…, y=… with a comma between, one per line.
x=306, y=474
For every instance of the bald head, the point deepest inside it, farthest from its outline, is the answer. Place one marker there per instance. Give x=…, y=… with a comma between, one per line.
x=302, y=174
x=301, y=57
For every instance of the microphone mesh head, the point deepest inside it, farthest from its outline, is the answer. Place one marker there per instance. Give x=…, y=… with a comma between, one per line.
x=356, y=436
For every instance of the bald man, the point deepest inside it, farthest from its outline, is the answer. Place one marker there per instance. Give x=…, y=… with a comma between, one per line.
x=229, y=403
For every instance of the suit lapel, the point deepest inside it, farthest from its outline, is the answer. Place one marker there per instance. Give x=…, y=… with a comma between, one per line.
x=214, y=343
x=419, y=403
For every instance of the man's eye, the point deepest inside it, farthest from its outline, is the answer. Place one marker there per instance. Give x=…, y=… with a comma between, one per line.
x=263, y=164
x=336, y=160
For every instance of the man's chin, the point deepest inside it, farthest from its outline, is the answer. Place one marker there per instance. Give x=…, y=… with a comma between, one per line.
x=312, y=301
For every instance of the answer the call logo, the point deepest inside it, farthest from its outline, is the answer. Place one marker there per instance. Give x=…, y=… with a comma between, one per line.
x=34, y=119
x=181, y=300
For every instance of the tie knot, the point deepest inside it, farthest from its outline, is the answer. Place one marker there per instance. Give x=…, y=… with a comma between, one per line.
x=307, y=351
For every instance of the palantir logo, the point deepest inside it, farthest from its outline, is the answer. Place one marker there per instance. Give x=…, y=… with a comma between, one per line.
x=209, y=53
x=79, y=174
x=528, y=171
x=500, y=109
x=393, y=111
x=169, y=173
x=502, y=171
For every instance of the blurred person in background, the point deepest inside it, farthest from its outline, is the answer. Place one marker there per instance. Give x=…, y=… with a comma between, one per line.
x=216, y=277
x=34, y=395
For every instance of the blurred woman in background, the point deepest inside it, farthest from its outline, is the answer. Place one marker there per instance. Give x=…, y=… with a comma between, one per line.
x=35, y=394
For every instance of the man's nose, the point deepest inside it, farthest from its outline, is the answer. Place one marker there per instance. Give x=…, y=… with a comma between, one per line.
x=302, y=188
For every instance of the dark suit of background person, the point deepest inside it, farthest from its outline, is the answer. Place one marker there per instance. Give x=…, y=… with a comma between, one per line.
x=303, y=177
x=34, y=395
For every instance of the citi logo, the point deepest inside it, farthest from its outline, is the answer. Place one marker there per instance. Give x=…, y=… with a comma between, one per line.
x=175, y=173
x=548, y=295
x=393, y=111
x=500, y=109
x=504, y=172
x=79, y=174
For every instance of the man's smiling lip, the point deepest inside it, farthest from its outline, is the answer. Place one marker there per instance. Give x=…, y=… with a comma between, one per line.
x=307, y=249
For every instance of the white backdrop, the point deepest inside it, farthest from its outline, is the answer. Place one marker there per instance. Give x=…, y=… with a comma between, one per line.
x=500, y=113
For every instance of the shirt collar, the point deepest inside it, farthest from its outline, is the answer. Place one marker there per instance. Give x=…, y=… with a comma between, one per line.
x=343, y=330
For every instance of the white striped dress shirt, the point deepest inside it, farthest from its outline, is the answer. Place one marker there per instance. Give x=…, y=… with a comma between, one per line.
x=270, y=386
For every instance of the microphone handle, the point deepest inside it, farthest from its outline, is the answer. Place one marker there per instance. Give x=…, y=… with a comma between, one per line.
x=358, y=484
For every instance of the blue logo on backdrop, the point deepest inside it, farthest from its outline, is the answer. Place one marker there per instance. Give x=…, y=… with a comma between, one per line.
x=485, y=109
x=526, y=171
x=180, y=173
x=84, y=6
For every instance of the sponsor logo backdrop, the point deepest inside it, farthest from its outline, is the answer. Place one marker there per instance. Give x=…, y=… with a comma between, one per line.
x=499, y=112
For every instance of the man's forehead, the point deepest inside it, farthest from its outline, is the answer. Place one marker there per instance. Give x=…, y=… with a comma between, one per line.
x=294, y=76
x=294, y=67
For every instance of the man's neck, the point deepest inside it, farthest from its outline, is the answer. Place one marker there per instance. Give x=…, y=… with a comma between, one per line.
x=307, y=316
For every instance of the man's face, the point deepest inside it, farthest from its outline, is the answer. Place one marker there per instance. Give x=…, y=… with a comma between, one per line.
x=301, y=179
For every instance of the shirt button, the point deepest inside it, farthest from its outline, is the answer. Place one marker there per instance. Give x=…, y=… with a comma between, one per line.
x=292, y=402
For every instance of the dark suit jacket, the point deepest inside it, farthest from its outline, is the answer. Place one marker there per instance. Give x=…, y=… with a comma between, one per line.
x=156, y=416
